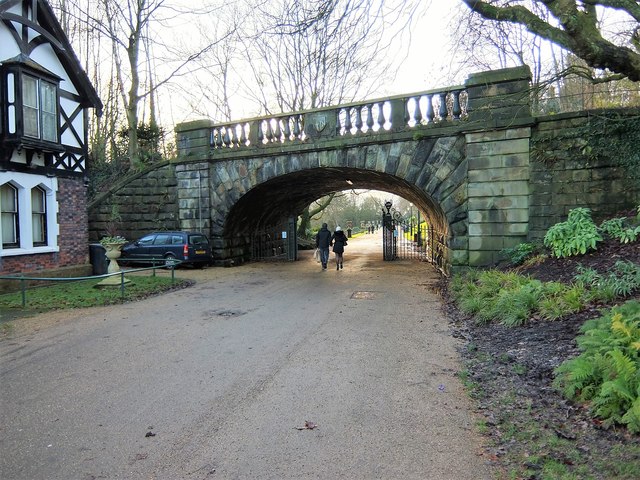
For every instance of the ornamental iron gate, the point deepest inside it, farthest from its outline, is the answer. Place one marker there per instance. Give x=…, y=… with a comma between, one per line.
x=277, y=243
x=404, y=239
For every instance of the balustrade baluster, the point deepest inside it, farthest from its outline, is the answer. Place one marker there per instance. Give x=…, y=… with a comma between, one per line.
x=260, y=133
x=236, y=135
x=277, y=132
x=219, y=137
x=444, y=111
x=418, y=112
x=243, y=135
x=457, y=109
x=296, y=127
x=347, y=121
x=430, y=113
x=286, y=128
x=269, y=132
x=226, y=139
x=359, y=119
x=369, y=117
x=407, y=115
x=381, y=119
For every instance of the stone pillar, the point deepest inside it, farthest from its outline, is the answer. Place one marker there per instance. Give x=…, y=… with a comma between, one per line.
x=499, y=97
x=498, y=189
x=498, y=162
x=193, y=138
x=194, y=205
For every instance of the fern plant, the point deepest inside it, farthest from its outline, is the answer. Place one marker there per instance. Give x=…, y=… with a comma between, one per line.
x=607, y=372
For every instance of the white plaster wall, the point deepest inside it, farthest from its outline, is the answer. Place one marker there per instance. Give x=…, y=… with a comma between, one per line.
x=25, y=182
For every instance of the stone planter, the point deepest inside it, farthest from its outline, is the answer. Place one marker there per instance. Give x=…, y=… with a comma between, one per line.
x=113, y=252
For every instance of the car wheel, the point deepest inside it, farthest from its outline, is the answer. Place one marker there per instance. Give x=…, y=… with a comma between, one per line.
x=170, y=261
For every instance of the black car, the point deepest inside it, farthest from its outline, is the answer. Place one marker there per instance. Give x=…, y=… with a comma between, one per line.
x=190, y=247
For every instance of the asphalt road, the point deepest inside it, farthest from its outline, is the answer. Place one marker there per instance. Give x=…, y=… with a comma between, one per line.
x=265, y=371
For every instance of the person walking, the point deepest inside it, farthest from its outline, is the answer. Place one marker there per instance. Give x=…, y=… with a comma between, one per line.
x=339, y=241
x=323, y=242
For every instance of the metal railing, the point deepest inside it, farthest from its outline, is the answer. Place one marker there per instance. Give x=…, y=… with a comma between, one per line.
x=161, y=264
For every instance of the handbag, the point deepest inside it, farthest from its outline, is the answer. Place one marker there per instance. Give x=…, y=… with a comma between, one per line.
x=316, y=255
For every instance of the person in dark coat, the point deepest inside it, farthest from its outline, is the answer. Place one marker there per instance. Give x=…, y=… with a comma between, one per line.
x=323, y=242
x=339, y=241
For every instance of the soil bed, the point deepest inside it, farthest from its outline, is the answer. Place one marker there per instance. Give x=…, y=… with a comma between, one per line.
x=533, y=432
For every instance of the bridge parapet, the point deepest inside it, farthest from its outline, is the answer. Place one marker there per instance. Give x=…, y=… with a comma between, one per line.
x=408, y=112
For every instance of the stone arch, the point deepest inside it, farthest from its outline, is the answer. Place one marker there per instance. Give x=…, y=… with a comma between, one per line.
x=256, y=193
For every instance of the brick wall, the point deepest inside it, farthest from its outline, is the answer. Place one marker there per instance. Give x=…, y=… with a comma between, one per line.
x=74, y=222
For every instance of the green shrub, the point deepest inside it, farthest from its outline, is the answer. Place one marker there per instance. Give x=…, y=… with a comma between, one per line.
x=613, y=227
x=514, y=307
x=607, y=372
x=520, y=253
x=621, y=281
x=559, y=300
x=575, y=236
x=620, y=229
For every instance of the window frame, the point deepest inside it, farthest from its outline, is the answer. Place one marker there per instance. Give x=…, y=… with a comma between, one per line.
x=45, y=107
x=42, y=217
x=24, y=183
x=14, y=213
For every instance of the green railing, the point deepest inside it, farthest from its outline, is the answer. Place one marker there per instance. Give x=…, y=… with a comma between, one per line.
x=161, y=264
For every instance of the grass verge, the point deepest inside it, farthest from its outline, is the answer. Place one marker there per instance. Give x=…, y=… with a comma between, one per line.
x=525, y=444
x=82, y=294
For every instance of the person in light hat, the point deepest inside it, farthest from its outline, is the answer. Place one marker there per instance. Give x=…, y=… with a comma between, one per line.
x=339, y=241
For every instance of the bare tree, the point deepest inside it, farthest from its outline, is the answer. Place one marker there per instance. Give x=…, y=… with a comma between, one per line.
x=313, y=53
x=135, y=29
x=575, y=26
x=306, y=54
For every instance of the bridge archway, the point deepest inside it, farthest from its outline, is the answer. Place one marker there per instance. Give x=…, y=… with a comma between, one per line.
x=471, y=157
x=270, y=206
x=288, y=195
x=249, y=195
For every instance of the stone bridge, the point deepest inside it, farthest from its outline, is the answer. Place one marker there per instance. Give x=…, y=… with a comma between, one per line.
x=462, y=155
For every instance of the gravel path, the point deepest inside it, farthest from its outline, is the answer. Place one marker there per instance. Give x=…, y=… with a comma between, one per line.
x=265, y=371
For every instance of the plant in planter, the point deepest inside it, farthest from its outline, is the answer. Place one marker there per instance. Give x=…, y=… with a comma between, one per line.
x=113, y=240
x=113, y=245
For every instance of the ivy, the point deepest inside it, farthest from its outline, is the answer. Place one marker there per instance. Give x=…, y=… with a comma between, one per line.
x=609, y=135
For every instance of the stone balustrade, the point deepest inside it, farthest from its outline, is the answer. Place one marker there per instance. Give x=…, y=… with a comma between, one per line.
x=390, y=115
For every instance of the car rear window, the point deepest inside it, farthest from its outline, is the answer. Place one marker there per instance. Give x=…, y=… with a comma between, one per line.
x=198, y=240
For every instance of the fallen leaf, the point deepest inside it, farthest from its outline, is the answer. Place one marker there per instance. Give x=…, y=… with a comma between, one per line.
x=308, y=426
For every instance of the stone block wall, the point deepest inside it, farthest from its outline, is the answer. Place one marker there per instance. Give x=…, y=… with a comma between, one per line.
x=498, y=192
x=564, y=176
x=145, y=203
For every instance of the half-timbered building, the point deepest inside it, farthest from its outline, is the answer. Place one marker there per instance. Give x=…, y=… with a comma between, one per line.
x=45, y=100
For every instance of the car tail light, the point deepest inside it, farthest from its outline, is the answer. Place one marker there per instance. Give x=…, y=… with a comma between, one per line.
x=185, y=251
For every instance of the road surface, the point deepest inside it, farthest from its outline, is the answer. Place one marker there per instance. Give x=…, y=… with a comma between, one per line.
x=265, y=371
